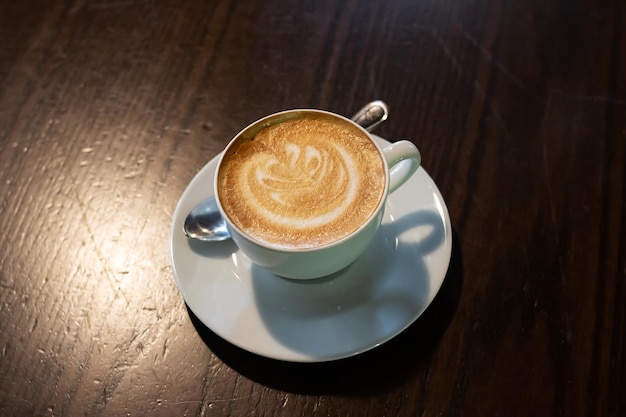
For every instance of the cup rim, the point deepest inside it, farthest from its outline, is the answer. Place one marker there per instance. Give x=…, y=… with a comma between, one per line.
x=279, y=117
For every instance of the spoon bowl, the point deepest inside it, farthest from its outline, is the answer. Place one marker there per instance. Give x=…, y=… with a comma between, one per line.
x=205, y=222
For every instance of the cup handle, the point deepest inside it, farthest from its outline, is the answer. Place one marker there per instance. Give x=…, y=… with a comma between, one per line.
x=403, y=158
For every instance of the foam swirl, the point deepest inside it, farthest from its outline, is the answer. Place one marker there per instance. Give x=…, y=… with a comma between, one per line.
x=301, y=187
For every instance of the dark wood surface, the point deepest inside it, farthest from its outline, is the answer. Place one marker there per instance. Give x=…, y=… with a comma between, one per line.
x=108, y=109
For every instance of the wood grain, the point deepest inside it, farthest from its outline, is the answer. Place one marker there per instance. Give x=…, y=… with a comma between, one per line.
x=109, y=108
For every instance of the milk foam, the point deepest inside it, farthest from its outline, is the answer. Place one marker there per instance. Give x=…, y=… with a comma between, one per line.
x=302, y=183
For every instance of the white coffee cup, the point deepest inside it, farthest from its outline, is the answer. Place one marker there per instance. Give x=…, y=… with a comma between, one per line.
x=401, y=158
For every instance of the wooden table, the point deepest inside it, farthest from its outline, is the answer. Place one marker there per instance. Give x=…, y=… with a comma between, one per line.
x=109, y=108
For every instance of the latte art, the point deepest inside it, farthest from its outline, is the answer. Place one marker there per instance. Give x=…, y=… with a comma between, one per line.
x=302, y=183
x=301, y=188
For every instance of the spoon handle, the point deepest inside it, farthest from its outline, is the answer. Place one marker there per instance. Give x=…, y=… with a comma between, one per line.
x=371, y=115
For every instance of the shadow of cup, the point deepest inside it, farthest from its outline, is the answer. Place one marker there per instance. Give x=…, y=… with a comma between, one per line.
x=365, y=304
x=375, y=371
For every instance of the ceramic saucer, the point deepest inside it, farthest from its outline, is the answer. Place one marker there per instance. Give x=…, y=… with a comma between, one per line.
x=335, y=317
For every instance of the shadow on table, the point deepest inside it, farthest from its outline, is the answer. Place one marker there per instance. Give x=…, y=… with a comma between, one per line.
x=376, y=370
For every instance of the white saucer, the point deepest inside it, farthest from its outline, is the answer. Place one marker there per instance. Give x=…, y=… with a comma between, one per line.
x=359, y=308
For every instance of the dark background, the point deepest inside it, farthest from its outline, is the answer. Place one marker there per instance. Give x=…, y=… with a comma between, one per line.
x=108, y=108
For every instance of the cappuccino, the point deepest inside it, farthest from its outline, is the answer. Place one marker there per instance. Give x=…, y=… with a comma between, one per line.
x=301, y=183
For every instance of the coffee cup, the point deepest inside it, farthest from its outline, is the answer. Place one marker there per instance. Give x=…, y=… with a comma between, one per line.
x=303, y=191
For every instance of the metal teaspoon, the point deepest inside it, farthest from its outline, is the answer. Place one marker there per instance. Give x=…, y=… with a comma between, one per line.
x=205, y=222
